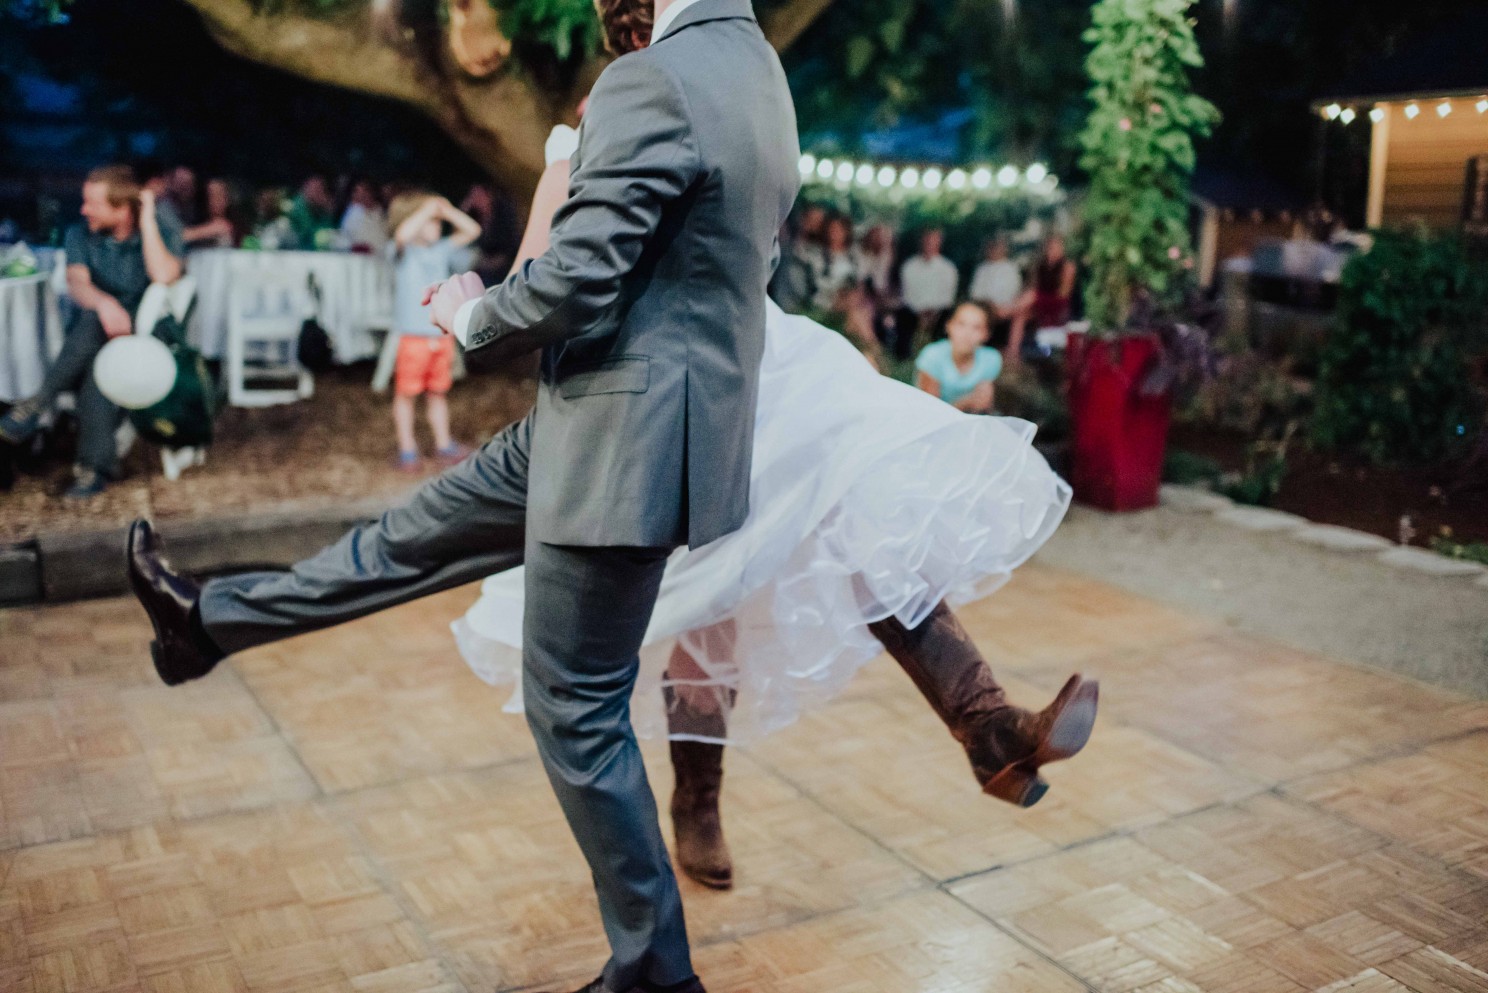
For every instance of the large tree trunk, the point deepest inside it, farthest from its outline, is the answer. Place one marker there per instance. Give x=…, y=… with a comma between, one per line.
x=457, y=71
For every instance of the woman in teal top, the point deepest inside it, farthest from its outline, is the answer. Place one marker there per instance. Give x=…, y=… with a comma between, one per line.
x=961, y=369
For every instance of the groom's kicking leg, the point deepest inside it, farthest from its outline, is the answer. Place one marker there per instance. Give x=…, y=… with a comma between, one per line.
x=586, y=614
x=465, y=524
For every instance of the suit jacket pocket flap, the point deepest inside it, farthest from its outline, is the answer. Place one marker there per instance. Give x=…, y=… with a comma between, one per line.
x=624, y=374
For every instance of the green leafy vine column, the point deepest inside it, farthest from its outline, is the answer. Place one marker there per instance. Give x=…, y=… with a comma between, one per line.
x=1137, y=147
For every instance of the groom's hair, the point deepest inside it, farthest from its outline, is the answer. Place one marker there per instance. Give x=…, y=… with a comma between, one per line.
x=627, y=23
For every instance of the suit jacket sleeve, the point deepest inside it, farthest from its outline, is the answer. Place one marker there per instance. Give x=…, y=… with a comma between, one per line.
x=637, y=153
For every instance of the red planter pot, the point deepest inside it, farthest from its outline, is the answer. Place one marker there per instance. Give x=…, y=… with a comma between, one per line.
x=1119, y=435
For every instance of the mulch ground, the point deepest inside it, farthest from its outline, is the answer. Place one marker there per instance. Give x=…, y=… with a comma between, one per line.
x=1412, y=504
x=336, y=446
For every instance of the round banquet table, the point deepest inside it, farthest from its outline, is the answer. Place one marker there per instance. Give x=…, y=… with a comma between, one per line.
x=356, y=294
x=30, y=334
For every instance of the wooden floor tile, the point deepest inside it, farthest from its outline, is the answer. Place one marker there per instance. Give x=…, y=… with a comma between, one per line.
x=925, y=942
x=887, y=764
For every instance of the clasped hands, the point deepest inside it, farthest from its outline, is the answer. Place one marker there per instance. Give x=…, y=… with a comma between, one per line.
x=445, y=299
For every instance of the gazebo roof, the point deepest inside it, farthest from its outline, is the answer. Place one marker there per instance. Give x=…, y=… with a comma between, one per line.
x=1226, y=189
x=1446, y=61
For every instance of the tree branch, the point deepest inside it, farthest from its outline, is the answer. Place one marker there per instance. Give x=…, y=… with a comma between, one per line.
x=785, y=23
x=501, y=121
x=345, y=52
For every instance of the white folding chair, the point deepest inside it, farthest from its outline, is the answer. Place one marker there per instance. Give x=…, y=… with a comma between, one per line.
x=264, y=315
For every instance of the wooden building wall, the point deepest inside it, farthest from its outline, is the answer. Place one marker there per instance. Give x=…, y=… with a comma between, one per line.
x=1426, y=161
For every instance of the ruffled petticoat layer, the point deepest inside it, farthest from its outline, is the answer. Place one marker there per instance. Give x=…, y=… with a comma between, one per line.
x=783, y=627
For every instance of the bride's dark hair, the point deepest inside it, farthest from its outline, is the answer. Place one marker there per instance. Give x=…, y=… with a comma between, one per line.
x=627, y=23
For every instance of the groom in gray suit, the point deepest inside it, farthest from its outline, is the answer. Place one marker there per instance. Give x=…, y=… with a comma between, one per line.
x=649, y=311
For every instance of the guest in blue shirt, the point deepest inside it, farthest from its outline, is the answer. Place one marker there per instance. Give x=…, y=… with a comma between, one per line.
x=961, y=369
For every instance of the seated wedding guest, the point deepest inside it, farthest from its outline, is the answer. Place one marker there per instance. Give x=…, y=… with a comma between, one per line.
x=311, y=211
x=222, y=226
x=425, y=359
x=1053, y=285
x=837, y=290
x=125, y=244
x=792, y=286
x=183, y=192
x=834, y=265
x=880, y=293
x=497, y=245
x=364, y=224
x=998, y=285
x=876, y=261
x=961, y=368
x=928, y=283
x=154, y=177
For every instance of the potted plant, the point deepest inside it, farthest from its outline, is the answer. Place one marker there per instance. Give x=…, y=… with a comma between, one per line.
x=1137, y=147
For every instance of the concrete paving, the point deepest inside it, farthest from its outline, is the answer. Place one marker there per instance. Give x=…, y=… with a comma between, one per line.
x=1352, y=607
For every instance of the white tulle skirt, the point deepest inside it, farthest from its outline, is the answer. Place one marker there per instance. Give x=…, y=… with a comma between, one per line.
x=868, y=499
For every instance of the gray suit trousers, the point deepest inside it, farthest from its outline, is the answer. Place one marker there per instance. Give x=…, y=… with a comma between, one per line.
x=587, y=613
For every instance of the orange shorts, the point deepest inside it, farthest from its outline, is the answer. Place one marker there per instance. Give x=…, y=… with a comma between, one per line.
x=424, y=365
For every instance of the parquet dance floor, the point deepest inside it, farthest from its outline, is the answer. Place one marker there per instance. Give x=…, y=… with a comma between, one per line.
x=351, y=811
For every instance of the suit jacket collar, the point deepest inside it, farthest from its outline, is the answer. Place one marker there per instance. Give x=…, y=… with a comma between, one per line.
x=707, y=10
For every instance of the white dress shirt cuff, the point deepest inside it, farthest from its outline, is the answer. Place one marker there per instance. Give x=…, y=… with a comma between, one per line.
x=463, y=316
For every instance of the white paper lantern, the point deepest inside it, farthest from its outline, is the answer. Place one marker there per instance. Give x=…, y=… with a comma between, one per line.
x=135, y=371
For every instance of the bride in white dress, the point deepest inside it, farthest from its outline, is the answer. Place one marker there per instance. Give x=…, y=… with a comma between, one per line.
x=873, y=505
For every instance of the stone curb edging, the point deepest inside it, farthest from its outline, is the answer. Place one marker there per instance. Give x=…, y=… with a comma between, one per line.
x=1197, y=500
x=73, y=565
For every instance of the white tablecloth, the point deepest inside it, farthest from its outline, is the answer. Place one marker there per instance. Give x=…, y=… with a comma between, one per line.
x=356, y=294
x=30, y=334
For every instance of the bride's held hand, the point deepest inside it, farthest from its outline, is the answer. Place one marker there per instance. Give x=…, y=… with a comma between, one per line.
x=445, y=299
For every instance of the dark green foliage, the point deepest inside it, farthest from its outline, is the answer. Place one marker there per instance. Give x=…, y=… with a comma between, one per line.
x=565, y=26
x=1472, y=551
x=1139, y=154
x=1393, y=382
x=1257, y=486
x=1008, y=73
x=1189, y=469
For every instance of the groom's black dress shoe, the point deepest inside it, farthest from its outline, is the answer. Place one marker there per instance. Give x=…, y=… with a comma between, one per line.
x=691, y=986
x=181, y=649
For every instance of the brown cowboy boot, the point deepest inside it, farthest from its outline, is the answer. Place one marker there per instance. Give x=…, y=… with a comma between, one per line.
x=1006, y=744
x=701, y=851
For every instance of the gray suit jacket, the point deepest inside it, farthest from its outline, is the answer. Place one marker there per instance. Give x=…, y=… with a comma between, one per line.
x=649, y=307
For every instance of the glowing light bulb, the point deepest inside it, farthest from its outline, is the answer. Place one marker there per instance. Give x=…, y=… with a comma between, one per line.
x=1347, y=116
x=887, y=176
x=808, y=164
x=1007, y=176
x=1332, y=111
x=910, y=178
x=845, y=172
x=1037, y=173
x=825, y=168
x=1377, y=114
x=933, y=179
x=865, y=174
x=1412, y=111
x=1444, y=108
x=957, y=179
x=982, y=178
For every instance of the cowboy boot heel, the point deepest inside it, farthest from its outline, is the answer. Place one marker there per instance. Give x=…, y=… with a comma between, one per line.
x=1019, y=785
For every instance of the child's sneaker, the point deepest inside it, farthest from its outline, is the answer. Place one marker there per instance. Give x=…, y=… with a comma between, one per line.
x=452, y=454
x=409, y=462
